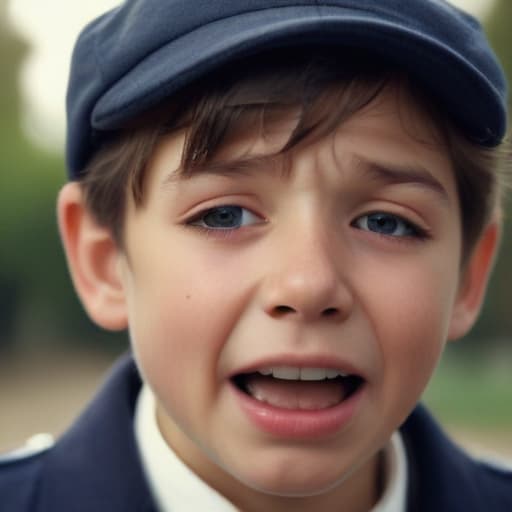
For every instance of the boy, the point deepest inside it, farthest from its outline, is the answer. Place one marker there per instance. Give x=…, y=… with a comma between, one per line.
x=292, y=206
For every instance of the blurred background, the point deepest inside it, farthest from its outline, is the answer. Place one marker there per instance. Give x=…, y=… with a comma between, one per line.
x=52, y=357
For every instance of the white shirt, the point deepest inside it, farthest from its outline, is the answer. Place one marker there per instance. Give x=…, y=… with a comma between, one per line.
x=176, y=488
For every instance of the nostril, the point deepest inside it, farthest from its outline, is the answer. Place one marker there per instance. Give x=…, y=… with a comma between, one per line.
x=329, y=312
x=282, y=310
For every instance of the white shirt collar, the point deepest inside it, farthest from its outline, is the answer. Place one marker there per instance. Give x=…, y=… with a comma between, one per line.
x=395, y=491
x=179, y=489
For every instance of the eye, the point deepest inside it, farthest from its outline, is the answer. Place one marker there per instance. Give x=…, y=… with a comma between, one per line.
x=388, y=224
x=225, y=217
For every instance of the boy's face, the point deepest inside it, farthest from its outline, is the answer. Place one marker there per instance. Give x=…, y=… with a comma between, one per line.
x=348, y=261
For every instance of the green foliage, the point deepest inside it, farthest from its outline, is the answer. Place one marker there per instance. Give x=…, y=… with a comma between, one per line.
x=498, y=27
x=496, y=319
x=37, y=303
x=12, y=51
x=473, y=390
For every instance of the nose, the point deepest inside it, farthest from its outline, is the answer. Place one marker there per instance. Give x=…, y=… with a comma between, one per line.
x=307, y=281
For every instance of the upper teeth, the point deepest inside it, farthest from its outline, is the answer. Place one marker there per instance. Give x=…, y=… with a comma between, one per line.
x=292, y=373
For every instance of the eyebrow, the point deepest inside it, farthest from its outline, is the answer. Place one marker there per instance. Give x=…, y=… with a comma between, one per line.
x=398, y=174
x=242, y=166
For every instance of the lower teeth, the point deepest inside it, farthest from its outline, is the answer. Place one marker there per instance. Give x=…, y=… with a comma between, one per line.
x=303, y=405
x=297, y=395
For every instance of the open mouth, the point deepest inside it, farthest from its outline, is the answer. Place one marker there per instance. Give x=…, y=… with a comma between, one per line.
x=299, y=388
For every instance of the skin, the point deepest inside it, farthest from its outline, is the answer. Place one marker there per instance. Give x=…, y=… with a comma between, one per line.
x=203, y=304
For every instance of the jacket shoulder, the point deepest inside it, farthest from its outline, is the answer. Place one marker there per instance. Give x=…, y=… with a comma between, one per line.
x=445, y=478
x=20, y=471
x=496, y=478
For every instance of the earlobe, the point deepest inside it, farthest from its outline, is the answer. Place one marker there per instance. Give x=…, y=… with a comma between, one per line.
x=474, y=280
x=93, y=259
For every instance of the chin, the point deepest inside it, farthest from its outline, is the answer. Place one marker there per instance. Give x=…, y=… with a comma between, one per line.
x=294, y=482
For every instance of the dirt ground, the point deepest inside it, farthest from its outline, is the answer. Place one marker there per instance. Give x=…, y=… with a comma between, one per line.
x=45, y=392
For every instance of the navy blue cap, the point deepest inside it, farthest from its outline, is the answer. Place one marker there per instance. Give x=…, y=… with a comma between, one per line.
x=140, y=53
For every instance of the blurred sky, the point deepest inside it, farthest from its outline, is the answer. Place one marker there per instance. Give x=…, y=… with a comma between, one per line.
x=51, y=27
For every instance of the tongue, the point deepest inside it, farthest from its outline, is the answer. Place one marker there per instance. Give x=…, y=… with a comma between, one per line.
x=295, y=394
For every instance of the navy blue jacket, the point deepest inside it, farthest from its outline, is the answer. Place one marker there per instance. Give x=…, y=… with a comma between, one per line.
x=95, y=466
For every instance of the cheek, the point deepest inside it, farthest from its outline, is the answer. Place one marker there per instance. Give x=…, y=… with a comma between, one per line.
x=410, y=312
x=182, y=309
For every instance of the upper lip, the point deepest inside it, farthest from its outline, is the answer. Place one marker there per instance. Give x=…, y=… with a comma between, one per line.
x=302, y=361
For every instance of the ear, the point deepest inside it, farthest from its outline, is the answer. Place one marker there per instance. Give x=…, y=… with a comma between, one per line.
x=93, y=258
x=474, y=280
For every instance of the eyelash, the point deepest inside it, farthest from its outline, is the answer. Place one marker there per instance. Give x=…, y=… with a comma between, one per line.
x=413, y=231
x=226, y=231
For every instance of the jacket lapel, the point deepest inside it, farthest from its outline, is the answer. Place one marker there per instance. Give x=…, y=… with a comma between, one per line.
x=95, y=466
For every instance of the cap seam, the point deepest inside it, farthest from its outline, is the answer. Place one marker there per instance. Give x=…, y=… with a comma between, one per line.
x=377, y=9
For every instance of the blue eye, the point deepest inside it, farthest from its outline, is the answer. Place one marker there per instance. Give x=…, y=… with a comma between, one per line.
x=225, y=217
x=387, y=224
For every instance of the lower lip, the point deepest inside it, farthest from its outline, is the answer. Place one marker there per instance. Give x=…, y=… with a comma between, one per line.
x=299, y=424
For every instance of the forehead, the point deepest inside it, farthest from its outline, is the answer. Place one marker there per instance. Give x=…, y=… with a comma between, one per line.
x=393, y=132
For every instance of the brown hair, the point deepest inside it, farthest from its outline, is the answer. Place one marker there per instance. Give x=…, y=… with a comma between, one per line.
x=327, y=89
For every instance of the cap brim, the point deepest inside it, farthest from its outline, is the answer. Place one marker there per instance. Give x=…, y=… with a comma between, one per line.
x=180, y=62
